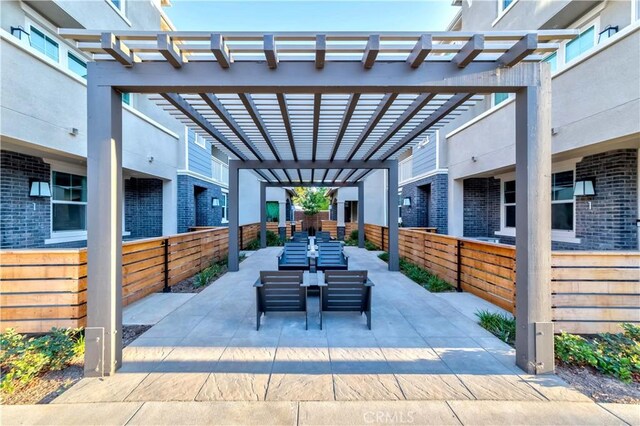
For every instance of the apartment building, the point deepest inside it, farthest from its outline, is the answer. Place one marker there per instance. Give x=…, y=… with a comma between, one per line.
x=596, y=134
x=43, y=129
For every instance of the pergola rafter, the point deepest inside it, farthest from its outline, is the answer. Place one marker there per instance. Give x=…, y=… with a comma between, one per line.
x=341, y=104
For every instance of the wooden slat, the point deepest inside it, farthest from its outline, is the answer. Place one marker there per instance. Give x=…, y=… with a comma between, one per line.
x=597, y=314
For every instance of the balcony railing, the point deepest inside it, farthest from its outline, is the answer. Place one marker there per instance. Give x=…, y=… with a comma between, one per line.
x=405, y=169
x=219, y=171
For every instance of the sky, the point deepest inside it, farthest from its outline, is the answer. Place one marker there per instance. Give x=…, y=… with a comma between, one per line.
x=311, y=15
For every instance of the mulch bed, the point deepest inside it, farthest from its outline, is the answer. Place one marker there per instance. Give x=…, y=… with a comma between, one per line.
x=46, y=388
x=599, y=387
x=186, y=286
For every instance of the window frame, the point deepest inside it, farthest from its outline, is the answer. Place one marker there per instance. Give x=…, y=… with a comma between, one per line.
x=224, y=205
x=68, y=233
x=71, y=57
x=47, y=38
x=556, y=234
x=493, y=98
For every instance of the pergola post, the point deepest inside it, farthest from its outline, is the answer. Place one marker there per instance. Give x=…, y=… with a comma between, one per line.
x=103, y=355
x=534, y=337
x=263, y=214
x=361, y=214
x=282, y=220
x=234, y=216
x=340, y=225
x=392, y=214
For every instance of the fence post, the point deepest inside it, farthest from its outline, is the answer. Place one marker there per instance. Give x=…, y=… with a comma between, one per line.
x=166, y=288
x=382, y=233
x=458, y=265
x=241, y=237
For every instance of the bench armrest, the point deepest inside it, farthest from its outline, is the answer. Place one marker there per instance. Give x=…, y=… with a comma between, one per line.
x=369, y=283
x=258, y=283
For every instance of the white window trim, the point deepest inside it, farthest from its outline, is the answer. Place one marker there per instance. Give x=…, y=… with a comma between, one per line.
x=502, y=11
x=199, y=140
x=121, y=12
x=225, y=217
x=79, y=235
x=556, y=234
x=492, y=96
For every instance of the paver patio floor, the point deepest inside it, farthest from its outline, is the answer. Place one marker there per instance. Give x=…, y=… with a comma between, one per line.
x=420, y=348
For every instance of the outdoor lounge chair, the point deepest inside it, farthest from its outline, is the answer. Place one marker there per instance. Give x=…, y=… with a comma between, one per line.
x=280, y=291
x=331, y=256
x=300, y=237
x=293, y=257
x=346, y=291
x=323, y=237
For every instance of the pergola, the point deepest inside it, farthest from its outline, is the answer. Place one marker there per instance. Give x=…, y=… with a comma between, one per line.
x=314, y=109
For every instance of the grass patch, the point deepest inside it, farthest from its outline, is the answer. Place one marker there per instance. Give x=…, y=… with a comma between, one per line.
x=500, y=325
x=420, y=275
x=22, y=359
x=616, y=355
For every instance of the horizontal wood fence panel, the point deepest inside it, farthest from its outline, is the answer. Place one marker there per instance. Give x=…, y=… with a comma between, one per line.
x=330, y=226
x=41, y=289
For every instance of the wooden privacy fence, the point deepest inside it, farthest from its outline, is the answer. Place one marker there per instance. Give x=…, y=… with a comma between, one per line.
x=592, y=292
x=46, y=288
x=331, y=226
x=273, y=226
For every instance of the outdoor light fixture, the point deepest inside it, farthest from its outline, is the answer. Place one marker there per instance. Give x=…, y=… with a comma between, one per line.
x=584, y=187
x=18, y=31
x=39, y=189
x=607, y=32
x=406, y=202
x=215, y=202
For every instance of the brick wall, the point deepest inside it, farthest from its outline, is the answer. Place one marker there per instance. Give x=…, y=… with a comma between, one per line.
x=481, y=207
x=191, y=192
x=24, y=220
x=608, y=224
x=428, y=203
x=143, y=207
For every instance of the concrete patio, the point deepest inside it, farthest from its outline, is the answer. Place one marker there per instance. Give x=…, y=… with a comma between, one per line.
x=424, y=362
x=420, y=348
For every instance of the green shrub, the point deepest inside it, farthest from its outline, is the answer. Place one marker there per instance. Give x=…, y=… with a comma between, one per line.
x=613, y=354
x=370, y=246
x=353, y=236
x=273, y=239
x=23, y=359
x=253, y=244
x=500, y=325
x=426, y=279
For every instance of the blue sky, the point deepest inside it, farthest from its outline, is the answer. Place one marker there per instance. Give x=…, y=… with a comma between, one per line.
x=307, y=15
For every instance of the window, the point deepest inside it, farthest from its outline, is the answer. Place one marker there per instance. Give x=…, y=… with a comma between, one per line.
x=273, y=211
x=69, y=202
x=44, y=44
x=195, y=138
x=77, y=66
x=506, y=3
x=562, y=202
x=126, y=98
x=499, y=97
x=553, y=61
x=223, y=205
x=580, y=44
x=117, y=3
x=510, y=204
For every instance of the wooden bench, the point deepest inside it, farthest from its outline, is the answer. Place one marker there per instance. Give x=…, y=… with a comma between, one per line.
x=331, y=256
x=346, y=291
x=280, y=291
x=293, y=257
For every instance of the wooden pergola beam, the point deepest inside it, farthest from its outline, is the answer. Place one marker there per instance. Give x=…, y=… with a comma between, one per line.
x=252, y=109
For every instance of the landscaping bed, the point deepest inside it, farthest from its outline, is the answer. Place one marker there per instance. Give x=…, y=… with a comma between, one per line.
x=606, y=367
x=426, y=279
x=48, y=364
x=203, y=279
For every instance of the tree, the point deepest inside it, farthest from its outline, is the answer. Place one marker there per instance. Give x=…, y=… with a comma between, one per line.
x=312, y=200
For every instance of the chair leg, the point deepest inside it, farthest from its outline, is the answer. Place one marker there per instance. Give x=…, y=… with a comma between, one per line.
x=369, y=320
x=258, y=314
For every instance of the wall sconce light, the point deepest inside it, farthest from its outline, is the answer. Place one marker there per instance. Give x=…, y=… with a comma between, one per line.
x=607, y=32
x=39, y=189
x=584, y=187
x=18, y=31
x=215, y=202
x=406, y=202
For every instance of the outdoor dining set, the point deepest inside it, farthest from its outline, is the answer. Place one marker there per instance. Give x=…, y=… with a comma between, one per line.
x=311, y=266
